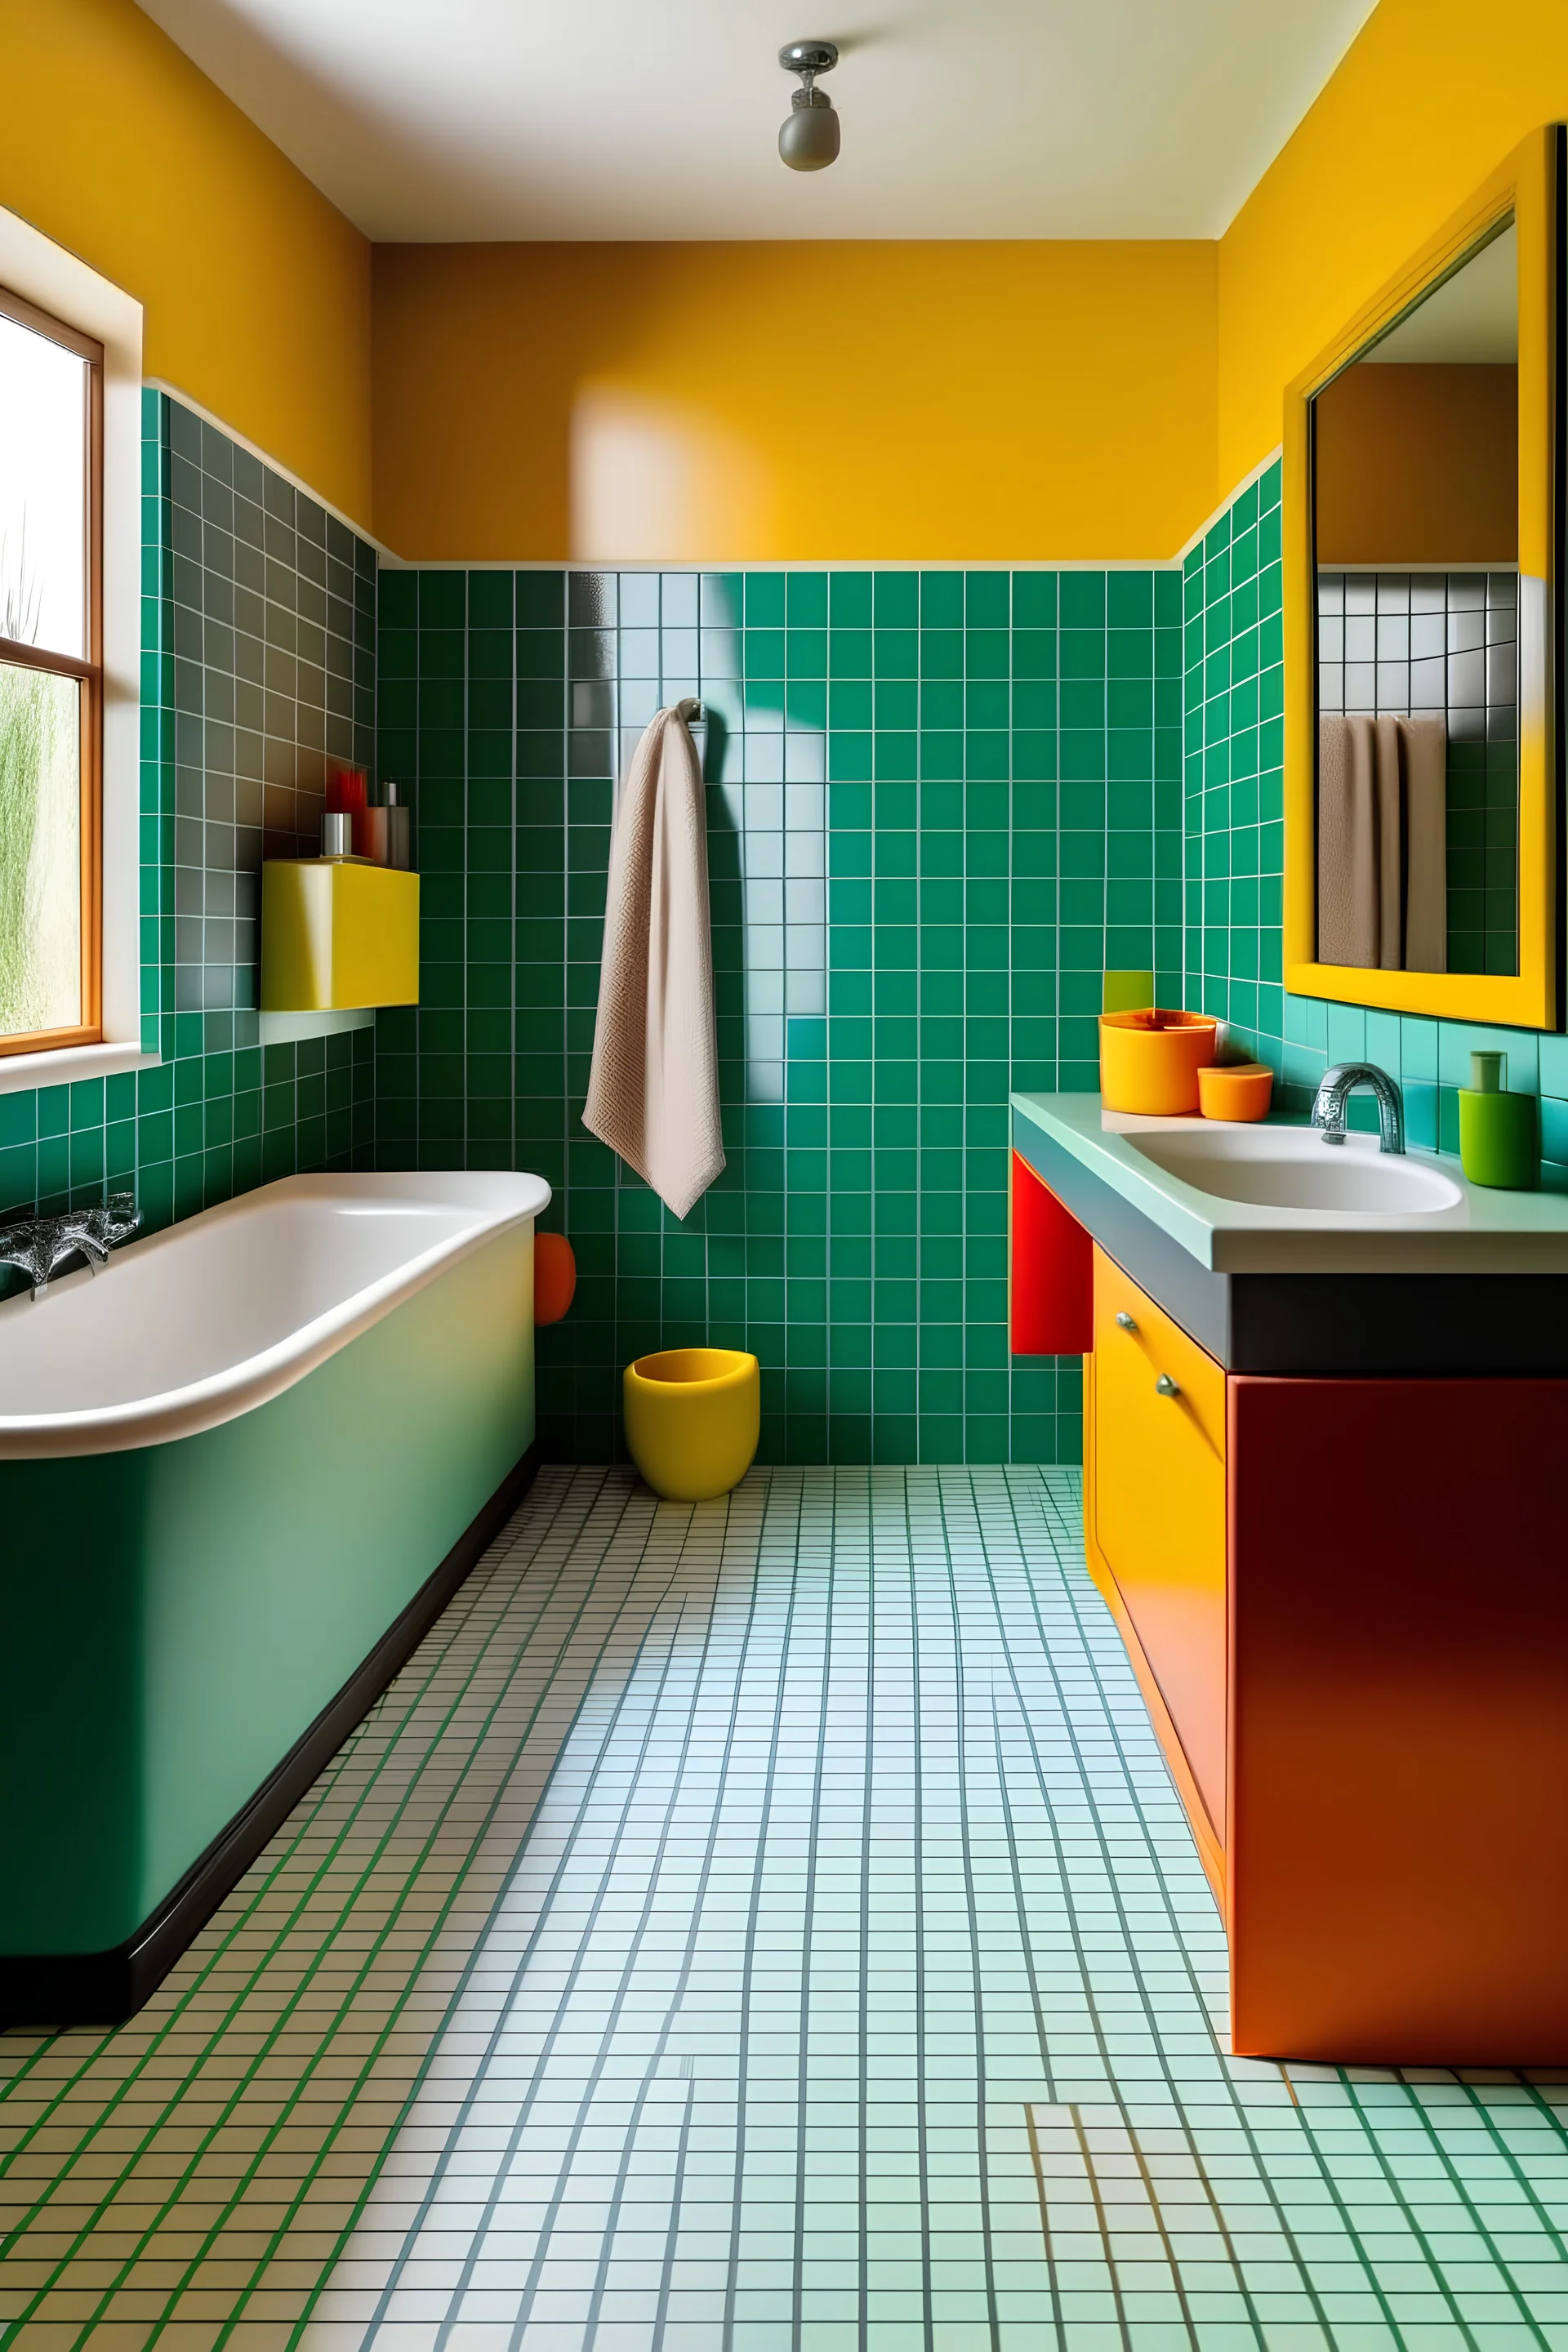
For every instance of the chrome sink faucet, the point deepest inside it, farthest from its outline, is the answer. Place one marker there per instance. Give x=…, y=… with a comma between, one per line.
x=40, y=1245
x=1329, y=1110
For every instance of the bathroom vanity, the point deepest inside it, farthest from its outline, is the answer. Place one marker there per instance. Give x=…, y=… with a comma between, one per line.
x=1326, y=1399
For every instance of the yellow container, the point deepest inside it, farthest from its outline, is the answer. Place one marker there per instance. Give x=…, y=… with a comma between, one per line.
x=336, y=935
x=692, y=1420
x=1239, y=1090
x=1149, y=1061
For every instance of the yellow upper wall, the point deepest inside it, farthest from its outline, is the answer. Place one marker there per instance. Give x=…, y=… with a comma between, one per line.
x=1430, y=98
x=256, y=289
x=766, y=401
x=707, y=402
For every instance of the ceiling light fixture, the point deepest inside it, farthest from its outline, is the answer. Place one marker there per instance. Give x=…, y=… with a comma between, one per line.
x=808, y=142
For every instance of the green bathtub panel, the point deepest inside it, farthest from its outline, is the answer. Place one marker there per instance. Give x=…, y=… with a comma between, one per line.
x=173, y=1619
x=71, y=1702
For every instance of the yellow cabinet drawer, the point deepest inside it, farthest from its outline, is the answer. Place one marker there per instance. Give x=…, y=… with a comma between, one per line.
x=1159, y=1509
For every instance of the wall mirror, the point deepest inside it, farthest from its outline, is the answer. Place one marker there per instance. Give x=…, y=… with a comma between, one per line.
x=1420, y=788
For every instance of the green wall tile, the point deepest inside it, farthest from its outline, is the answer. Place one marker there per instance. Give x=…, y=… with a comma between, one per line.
x=1233, y=695
x=889, y=958
x=185, y=1134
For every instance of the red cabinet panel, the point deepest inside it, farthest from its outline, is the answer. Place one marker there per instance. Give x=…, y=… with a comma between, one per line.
x=1398, y=1846
x=1050, y=1272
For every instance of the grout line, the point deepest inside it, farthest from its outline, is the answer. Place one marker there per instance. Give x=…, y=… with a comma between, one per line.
x=826, y=1954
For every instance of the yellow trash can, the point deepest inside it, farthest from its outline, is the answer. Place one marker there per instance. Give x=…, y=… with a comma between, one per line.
x=692, y=1420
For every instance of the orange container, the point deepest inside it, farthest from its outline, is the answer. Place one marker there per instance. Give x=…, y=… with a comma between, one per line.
x=1149, y=1061
x=555, y=1277
x=1235, y=1090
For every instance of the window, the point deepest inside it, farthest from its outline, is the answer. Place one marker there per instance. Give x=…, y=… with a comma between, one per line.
x=51, y=681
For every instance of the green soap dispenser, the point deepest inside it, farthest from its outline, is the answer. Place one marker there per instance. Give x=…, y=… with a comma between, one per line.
x=1499, y=1141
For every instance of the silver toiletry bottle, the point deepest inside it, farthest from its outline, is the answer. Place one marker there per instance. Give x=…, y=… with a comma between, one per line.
x=397, y=829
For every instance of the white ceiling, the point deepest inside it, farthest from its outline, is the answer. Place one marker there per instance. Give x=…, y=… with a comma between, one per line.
x=480, y=118
x=1473, y=316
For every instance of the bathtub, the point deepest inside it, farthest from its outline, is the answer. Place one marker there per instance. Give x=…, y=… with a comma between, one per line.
x=241, y=1471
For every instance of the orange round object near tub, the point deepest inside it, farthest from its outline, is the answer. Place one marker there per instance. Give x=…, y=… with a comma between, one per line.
x=1149, y=1061
x=1235, y=1090
x=555, y=1277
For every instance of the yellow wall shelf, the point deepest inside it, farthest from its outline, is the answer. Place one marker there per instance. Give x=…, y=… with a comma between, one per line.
x=337, y=935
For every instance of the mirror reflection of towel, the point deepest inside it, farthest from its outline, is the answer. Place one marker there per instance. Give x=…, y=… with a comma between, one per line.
x=1425, y=745
x=1388, y=801
x=1381, y=860
x=1349, y=868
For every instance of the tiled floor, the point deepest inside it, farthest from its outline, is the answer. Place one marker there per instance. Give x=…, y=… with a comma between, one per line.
x=761, y=1928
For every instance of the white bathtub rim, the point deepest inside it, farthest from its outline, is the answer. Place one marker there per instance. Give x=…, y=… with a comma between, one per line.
x=159, y=1420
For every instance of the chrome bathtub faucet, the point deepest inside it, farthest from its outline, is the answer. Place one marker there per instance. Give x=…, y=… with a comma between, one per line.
x=1335, y=1093
x=40, y=1245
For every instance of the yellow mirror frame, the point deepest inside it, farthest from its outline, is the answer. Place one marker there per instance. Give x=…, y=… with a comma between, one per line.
x=1527, y=186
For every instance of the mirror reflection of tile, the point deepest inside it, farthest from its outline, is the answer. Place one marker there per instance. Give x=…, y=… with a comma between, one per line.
x=1444, y=643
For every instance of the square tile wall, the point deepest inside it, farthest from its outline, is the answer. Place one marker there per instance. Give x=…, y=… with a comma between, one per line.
x=1233, y=659
x=257, y=663
x=940, y=803
x=1233, y=663
x=1444, y=642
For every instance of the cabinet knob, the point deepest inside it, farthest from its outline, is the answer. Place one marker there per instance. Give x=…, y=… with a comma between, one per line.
x=1124, y=1322
x=1166, y=1387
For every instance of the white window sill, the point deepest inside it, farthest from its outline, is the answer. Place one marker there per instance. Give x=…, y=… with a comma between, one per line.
x=19, y=1072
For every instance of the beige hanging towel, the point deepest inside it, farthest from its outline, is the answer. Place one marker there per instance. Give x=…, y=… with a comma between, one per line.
x=1388, y=788
x=653, y=1093
x=1424, y=743
x=1348, y=898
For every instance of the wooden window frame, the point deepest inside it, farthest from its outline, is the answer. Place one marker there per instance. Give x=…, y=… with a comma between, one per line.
x=88, y=674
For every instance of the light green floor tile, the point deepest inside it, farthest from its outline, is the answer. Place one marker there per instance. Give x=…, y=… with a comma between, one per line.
x=504, y=2036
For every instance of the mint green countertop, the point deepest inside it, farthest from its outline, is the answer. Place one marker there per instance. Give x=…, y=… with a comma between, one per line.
x=1468, y=1230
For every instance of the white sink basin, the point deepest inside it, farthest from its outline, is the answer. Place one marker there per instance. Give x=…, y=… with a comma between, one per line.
x=1293, y=1168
